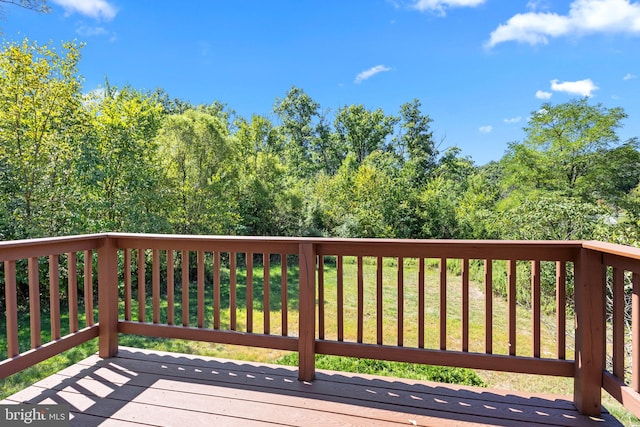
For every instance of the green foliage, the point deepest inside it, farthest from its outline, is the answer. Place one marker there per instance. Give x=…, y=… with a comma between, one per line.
x=414, y=371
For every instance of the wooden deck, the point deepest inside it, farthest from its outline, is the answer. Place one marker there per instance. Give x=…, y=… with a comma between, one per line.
x=142, y=387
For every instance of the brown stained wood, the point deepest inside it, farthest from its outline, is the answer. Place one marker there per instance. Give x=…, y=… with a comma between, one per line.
x=11, y=302
x=29, y=358
x=108, y=298
x=535, y=307
x=488, y=306
x=421, y=303
x=127, y=284
x=209, y=335
x=54, y=296
x=88, y=288
x=635, y=332
x=200, y=294
x=232, y=291
x=72, y=283
x=400, y=308
x=34, y=302
x=217, y=284
x=155, y=285
x=360, y=300
x=379, y=330
x=459, y=359
x=340, y=296
x=590, y=334
x=284, y=299
x=561, y=309
x=443, y=303
x=142, y=283
x=249, y=291
x=465, y=305
x=266, y=290
x=622, y=393
x=618, y=323
x=34, y=248
x=185, y=287
x=320, y=297
x=170, y=289
x=511, y=303
x=307, y=313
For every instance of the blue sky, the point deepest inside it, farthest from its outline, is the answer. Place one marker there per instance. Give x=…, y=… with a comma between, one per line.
x=479, y=67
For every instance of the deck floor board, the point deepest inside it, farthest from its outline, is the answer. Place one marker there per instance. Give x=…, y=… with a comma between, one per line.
x=143, y=387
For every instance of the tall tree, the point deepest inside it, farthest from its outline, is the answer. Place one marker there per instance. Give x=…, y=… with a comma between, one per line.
x=40, y=105
x=416, y=139
x=363, y=131
x=298, y=113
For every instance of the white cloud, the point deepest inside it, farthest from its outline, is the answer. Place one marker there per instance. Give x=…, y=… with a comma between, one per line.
x=97, y=9
x=629, y=76
x=485, y=129
x=367, y=74
x=584, y=17
x=440, y=6
x=580, y=87
x=513, y=120
x=85, y=31
x=543, y=95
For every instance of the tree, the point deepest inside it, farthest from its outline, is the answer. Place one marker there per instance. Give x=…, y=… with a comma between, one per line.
x=564, y=146
x=40, y=116
x=416, y=139
x=119, y=169
x=199, y=160
x=363, y=131
x=297, y=111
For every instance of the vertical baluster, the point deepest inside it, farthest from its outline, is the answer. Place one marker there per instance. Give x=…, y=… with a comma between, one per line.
x=283, y=296
x=561, y=311
x=155, y=285
x=443, y=304
x=511, y=302
x=54, y=296
x=34, y=302
x=400, y=301
x=249, y=292
x=185, y=287
x=266, y=297
x=321, y=297
x=216, y=290
x=127, y=284
x=535, y=306
x=421, y=303
x=170, y=289
x=88, y=287
x=379, y=331
x=465, y=305
x=340, y=297
x=72, y=261
x=200, y=301
x=11, y=300
x=232, y=291
x=360, y=300
x=618, y=323
x=142, y=299
x=488, y=306
x=635, y=330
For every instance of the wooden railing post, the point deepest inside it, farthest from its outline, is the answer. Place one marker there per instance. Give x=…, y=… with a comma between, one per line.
x=307, y=312
x=590, y=332
x=108, y=297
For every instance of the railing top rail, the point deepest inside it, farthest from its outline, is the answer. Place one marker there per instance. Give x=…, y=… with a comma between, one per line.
x=613, y=249
x=20, y=249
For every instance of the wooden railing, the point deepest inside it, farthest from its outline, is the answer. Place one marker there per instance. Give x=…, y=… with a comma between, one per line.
x=330, y=296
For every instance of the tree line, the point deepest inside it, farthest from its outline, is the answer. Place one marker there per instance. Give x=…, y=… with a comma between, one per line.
x=120, y=159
